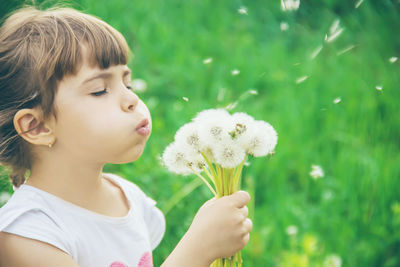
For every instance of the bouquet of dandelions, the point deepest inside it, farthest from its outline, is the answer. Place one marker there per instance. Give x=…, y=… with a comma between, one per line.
x=218, y=144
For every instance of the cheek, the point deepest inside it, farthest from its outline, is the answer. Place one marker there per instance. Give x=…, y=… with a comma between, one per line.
x=142, y=108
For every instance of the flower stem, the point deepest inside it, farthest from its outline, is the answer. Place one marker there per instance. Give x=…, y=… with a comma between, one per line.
x=205, y=181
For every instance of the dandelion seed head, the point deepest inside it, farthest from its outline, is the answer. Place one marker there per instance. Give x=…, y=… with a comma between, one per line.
x=316, y=172
x=139, y=85
x=213, y=132
x=195, y=161
x=290, y=5
x=227, y=154
x=261, y=140
x=242, y=124
x=284, y=26
x=291, y=230
x=188, y=134
x=208, y=114
x=333, y=260
x=174, y=159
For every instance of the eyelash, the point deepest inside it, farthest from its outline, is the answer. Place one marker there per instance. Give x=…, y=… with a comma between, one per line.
x=105, y=91
x=99, y=93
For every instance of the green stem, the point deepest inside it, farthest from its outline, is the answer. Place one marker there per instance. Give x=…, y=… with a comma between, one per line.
x=210, y=165
x=209, y=175
x=205, y=181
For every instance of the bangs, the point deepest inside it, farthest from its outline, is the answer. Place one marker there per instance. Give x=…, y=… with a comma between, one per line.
x=105, y=45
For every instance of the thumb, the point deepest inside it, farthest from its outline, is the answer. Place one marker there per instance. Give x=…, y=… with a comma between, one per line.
x=240, y=198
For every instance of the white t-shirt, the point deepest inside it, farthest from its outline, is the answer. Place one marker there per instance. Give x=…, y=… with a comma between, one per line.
x=92, y=239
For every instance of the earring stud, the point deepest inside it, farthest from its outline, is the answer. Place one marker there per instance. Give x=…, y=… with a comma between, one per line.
x=50, y=145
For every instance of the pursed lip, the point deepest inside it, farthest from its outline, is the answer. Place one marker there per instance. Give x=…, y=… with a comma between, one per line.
x=142, y=124
x=143, y=127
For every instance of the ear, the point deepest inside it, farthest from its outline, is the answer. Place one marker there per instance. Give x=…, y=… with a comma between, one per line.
x=29, y=125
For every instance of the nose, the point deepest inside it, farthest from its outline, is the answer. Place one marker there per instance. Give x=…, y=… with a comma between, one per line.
x=129, y=101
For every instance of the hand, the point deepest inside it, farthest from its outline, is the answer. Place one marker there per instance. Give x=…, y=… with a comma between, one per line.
x=221, y=227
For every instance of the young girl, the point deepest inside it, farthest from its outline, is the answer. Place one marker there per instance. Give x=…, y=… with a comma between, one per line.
x=66, y=109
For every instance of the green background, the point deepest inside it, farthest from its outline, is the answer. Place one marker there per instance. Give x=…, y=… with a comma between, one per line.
x=354, y=210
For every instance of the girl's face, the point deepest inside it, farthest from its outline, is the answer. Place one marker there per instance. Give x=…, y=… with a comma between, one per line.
x=99, y=119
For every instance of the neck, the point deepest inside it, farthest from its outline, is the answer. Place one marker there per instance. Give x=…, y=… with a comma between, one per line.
x=69, y=178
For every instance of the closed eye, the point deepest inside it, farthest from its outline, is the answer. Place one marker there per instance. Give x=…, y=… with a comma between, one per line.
x=99, y=93
x=129, y=87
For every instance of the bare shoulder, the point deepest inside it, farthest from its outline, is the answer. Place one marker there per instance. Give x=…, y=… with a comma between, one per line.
x=20, y=251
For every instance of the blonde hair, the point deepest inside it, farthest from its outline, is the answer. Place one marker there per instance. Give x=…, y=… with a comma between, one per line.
x=37, y=49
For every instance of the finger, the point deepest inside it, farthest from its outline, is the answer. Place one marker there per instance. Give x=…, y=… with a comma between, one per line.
x=248, y=225
x=244, y=211
x=240, y=198
x=246, y=239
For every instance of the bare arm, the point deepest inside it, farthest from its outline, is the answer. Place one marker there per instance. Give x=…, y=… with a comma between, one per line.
x=19, y=251
x=219, y=229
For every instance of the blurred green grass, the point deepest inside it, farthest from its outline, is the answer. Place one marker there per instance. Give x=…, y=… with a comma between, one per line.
x=353, y=211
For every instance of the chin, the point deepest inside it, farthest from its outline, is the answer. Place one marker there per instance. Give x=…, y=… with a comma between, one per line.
x=131, y=156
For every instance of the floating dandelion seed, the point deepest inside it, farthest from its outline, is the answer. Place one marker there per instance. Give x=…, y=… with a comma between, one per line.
x=334, y=31
x=337, y=100
x=290, y=5
x=242, y=10
x=291, y=230
x=235, y=72
x=139, y=85
x=346, y=50
x=315, y=53
x=316, y=172
x=207, y=60
x=301, y=79
x=379, y=88
x=232, y=105
x=284, y=26
x=333, y=261
x=358, y=3
x=393, y=59
x=185, y=98
x=253, y=92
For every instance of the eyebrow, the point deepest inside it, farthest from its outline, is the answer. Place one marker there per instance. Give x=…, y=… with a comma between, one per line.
x=106, y=75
